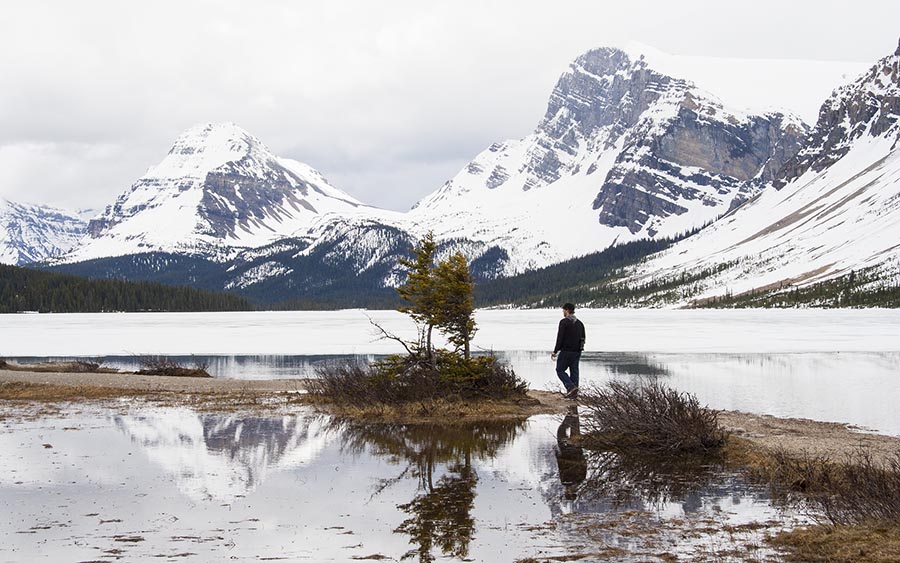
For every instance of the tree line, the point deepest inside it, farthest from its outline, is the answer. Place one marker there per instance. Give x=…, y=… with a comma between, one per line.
x=23, y=289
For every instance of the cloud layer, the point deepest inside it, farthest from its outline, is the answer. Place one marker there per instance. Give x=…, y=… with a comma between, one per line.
x=388, y=100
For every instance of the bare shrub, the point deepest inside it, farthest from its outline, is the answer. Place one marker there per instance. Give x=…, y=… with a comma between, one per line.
x=160, y=365
x=858, y=489
x=648, y=416
x=403, y=379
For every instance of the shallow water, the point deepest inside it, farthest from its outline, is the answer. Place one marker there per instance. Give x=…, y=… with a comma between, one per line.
x=860, y=388
x=158, y=484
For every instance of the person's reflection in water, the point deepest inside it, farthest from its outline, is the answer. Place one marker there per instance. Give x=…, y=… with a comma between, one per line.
x=569, y=455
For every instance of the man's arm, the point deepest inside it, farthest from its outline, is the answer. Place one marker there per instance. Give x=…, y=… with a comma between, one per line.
x=560, y=333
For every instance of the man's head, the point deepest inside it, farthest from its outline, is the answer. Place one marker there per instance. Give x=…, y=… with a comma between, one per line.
x=568, y=309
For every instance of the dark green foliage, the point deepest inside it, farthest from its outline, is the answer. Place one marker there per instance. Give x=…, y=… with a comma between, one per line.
x=159, y=267
x=438, y=296
x=420, y=292
x=863, y=288
x=588, y=279
x=454, y=305
x=404, y=379
x=23, y=289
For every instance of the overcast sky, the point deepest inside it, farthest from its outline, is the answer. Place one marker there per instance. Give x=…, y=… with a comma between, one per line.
x=387, y=99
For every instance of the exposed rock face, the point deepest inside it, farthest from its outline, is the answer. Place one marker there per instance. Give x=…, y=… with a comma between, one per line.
x=33, y=233
x=650, y=154
x=680, y=146
x=836, y=212
x=869, y=106
x=218, y=189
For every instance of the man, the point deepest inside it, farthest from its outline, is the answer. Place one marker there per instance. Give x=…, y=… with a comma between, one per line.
x=569, y=344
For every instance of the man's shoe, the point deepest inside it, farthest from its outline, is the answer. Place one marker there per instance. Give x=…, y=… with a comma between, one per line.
x=572, y=393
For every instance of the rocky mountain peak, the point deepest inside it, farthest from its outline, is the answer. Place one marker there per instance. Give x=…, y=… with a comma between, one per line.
x=34, y=233
x=603, y=88
x=868, y=106
x=207, y=146
x=217, y=189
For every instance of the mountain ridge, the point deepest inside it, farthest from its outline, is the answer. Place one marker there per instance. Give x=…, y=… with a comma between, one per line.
x=622, y=153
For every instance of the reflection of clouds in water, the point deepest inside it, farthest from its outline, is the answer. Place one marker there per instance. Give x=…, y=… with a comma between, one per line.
x=218, y=457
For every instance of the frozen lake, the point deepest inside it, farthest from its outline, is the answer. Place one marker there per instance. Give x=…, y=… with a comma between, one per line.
x=831, y=365
x=349, y=332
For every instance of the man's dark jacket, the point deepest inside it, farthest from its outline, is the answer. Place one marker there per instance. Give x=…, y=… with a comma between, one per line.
x=570, y=336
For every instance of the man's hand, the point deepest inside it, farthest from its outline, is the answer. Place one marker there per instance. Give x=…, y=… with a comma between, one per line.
x=553, y=356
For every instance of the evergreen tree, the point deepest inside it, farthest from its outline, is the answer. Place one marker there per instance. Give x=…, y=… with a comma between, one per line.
x=454, y=302
x=440, y=296
x=419, y=291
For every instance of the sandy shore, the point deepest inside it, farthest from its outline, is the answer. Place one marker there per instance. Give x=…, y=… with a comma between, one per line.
x=795, y=436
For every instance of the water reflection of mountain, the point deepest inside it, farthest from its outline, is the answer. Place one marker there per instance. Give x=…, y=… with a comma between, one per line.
x=219, y=457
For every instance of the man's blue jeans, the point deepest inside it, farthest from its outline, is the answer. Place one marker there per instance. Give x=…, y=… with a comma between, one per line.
x=568, y=360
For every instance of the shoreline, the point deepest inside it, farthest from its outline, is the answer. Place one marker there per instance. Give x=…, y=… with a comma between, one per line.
x=796, y=436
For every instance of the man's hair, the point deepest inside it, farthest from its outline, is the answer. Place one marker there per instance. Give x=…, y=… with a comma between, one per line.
x=569, y=307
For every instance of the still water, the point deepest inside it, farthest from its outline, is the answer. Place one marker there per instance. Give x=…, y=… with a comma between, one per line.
x=151, y=484
x=859, y=388
x=830, y=365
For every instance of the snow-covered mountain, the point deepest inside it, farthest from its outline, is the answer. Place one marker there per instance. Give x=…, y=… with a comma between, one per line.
x=835, y=209
x=623, y=152
x=33, y=233
x=218, y=189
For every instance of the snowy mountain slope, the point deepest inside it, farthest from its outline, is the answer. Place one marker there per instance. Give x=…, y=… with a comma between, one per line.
x=33, y=233
x=218, y=189
x=837, y=208
x=623, y=152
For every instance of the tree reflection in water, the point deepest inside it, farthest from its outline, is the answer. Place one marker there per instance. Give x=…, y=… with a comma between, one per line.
x=440, y=516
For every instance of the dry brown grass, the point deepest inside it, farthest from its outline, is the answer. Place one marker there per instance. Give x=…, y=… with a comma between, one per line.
x=871, y=543
x=400, y=380
x=57, y=367
x=171, y=368
x=857, y=501
x=20, y=394
x=602, y=555
x=429, y=410
x=19, y=391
